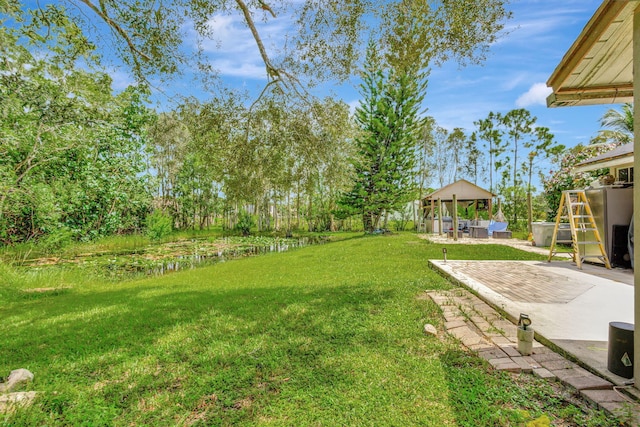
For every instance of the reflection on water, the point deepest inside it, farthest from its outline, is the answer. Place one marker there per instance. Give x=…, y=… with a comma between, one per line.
x=185, y=262
x=172, y=256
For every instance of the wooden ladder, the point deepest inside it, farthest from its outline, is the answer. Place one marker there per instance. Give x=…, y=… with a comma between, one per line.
x=574, y=208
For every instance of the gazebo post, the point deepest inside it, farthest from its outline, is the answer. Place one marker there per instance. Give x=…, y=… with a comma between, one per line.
x=439, y=216
x=455, y=217
x=433, y=216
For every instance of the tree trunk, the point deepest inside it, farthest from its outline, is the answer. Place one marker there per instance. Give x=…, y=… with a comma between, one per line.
x=267, y=212
x=309, y=213
x=529, y=201
x=235, y=216
x=288, y=213
x=530, y=216
x=298, y=206
x=515, y=174
x=276, y=217
x=258, y=214
x=367, y=221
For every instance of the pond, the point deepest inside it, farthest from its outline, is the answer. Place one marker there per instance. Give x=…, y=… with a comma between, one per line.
x=163, y=258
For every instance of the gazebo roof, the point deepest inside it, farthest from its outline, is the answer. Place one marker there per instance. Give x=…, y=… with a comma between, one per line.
x=463, y=189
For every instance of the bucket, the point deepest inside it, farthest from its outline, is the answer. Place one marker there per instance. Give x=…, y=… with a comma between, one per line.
x=620, y=351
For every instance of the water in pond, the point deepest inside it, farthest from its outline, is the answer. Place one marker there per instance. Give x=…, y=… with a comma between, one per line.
x=174, y=256
x=189, y=261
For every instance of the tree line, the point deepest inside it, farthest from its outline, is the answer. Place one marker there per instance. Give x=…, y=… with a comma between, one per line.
x=79, y=160
x=72, y=154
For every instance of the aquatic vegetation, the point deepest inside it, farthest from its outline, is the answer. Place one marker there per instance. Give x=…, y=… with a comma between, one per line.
x=156, y=258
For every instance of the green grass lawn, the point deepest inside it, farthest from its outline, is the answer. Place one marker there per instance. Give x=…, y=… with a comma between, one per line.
x=327, y=335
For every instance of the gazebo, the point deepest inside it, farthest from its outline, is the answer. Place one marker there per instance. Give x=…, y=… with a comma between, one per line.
x=464, y=193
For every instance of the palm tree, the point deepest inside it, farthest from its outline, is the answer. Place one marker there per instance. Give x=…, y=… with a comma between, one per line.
x=620, y=123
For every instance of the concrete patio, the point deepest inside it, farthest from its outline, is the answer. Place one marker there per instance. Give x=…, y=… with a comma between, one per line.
x=570, y=308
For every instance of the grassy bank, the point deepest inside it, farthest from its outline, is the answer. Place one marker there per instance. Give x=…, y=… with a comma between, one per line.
x=323, y=335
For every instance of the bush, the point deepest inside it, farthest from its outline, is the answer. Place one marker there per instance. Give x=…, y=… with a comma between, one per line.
x=244, y=224
x=159, y=225
x=56, y=240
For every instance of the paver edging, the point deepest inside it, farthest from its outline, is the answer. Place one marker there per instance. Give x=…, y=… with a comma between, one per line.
x=464, y=286
x=568, y=370
x=613, y=401
x=541, y=339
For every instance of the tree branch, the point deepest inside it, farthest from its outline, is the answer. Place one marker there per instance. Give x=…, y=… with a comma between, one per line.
x=102, y=13
x=272, y=72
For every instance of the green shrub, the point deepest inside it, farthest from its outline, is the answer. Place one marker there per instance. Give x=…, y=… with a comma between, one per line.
x=244, y=224
x=159, y=225
x=56, y=240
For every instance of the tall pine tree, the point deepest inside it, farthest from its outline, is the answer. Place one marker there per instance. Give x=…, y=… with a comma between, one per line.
x=388, y=117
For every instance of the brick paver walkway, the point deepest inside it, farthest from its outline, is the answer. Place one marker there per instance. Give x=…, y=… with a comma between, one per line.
x=482, y=329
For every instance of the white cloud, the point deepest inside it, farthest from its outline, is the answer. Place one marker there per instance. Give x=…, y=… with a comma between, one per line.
x=232, y=48
x=534, y=22
x=353, y=105
x=511, y=82
x=120, y=79
x=536, y=95
x=463, y=114
x=236, y=67
x=229, y=36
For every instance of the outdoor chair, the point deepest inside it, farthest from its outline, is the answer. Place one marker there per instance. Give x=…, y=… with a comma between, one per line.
x=498, y=230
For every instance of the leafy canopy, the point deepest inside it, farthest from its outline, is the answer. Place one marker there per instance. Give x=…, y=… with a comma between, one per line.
x=324, y=39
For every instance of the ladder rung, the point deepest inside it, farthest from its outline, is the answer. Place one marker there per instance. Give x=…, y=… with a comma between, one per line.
x=595, y=242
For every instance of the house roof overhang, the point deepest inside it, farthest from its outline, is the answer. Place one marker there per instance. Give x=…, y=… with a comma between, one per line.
x=598, y=68
x=614, y=162
x=619, y=156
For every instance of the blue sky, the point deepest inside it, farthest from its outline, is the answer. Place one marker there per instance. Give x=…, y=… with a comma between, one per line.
x=516, y=71
x=514, y=74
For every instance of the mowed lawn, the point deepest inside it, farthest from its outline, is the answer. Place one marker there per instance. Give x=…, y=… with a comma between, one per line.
x=327, y=335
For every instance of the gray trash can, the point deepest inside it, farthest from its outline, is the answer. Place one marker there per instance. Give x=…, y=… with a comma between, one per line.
x=620, y=352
